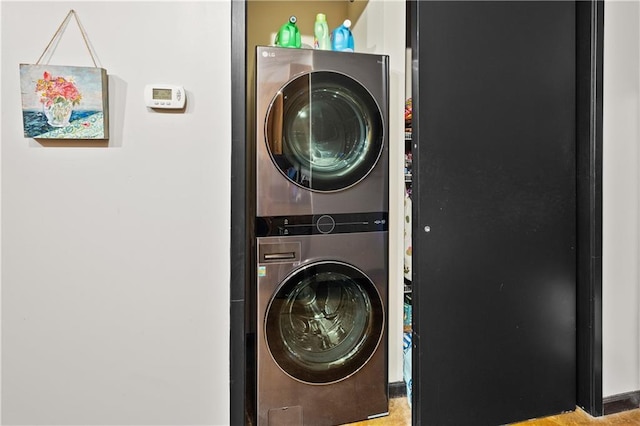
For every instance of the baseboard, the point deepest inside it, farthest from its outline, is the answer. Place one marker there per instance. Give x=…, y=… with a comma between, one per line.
x=397, y=389
x=621, y=402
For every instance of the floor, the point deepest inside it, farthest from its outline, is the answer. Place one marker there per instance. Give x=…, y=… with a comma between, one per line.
x=400, y=415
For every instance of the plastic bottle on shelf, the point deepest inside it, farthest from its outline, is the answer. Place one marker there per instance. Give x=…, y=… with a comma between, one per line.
x=322, y=40
x=341, y=38
x=289, y=35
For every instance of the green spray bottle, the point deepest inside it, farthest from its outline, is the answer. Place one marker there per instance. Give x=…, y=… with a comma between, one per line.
x=289, y=35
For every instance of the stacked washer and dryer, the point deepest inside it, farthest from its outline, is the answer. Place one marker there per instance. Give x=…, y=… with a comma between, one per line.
x=321, y=236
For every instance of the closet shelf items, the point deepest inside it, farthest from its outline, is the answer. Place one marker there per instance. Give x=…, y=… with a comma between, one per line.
x=408, y=158
x=408, y=179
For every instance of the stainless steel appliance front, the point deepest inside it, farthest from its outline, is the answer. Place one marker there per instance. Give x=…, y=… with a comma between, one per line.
x=321, y=132
x=322, y=329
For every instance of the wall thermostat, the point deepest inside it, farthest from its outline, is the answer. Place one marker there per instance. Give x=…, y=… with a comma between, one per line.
x=164, y=96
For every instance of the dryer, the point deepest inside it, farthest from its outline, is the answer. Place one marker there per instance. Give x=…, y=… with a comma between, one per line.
x=321, y=132
x=322, y=328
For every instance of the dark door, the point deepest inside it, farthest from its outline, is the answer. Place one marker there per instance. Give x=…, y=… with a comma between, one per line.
x=494, y=211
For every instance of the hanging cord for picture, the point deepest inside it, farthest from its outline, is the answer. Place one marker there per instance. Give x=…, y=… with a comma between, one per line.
x=61, y=29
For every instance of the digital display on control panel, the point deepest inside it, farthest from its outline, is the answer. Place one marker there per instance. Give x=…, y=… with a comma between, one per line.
x=162, y=94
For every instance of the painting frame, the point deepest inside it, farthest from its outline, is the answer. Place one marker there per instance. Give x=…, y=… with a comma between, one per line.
x=64, y=102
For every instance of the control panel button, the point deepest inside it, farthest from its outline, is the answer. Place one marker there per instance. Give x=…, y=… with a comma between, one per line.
x=325, y=224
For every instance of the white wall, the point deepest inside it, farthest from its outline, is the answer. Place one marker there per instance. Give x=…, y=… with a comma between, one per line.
x=621, y=196
x=115, y=259
x=381, y=29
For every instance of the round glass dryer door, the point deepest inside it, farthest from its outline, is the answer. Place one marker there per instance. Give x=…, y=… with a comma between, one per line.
x=324, y=131
x=324, y=323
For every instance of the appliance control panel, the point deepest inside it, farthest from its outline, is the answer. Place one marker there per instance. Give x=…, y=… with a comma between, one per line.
x=282, y=226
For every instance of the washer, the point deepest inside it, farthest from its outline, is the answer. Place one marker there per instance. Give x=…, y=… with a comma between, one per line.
x=322, y=328
x=321, y=132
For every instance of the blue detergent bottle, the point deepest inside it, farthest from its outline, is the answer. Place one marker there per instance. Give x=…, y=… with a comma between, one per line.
x=341, y=38
x=289, y=35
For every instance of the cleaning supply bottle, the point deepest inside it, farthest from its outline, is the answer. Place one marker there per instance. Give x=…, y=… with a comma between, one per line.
x=341, y=38
x=321, y=39
x=289, y=35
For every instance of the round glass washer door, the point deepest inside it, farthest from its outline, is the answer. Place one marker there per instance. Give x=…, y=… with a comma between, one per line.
x=324, y=131
x=324, y=323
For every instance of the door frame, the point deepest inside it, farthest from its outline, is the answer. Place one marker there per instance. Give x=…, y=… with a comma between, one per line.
x=589, y=38
x=589, y=68
x=240, y=364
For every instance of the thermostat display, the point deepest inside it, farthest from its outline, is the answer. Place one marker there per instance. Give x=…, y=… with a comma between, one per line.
x=164, y=96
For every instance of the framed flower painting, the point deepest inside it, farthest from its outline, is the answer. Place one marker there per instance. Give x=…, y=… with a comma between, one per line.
x=64, y=102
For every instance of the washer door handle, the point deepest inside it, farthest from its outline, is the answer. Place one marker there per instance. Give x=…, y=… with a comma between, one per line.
x=279, y=256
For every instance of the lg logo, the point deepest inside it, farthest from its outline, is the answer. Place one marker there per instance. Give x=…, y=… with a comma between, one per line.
x=266, y=54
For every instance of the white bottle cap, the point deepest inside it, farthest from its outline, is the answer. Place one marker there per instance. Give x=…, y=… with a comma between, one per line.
x=347, y=23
